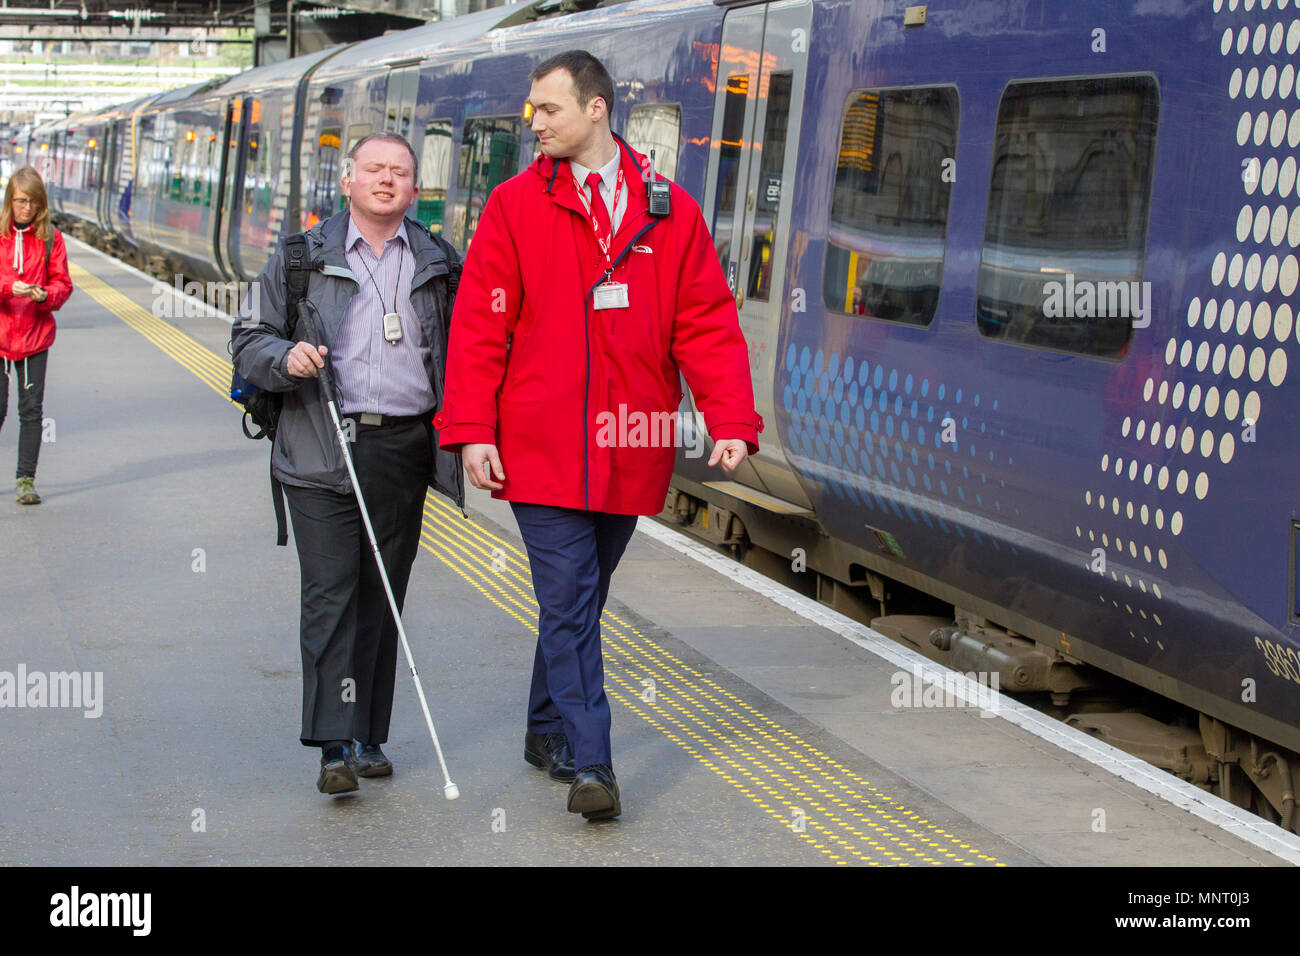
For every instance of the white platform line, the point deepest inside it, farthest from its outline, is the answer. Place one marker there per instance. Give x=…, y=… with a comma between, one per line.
x=176, y=297
x=1215, y=810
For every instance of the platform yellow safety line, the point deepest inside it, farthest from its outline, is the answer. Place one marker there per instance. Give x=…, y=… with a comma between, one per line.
x=195, y=356
x=524, y=609
x=203, y=362
x=711, y=743
x=823, y=760
x=886, y=822
x=755, y=754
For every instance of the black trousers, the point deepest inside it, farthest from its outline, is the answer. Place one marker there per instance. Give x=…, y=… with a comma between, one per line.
x=347, y=632
x=29, y=376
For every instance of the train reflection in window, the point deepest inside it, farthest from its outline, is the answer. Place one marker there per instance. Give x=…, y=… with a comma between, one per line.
x=323, y=199
x=767, y=191
x=489, y=155
x=729, y=152
x=1068, y=204
x=656, y=126
x=889, y=213
x=435, y=174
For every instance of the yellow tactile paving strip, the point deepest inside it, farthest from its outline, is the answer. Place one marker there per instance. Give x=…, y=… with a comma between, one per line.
x=801, y=789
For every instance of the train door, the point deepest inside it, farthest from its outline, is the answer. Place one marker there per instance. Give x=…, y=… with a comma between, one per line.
x=107, y=176
x=236, y=131
x=403, y=95
x=56, y=168
x=762, y=67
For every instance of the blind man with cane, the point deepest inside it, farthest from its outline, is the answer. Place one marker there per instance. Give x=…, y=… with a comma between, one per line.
x=590, y=286
x=376, y=307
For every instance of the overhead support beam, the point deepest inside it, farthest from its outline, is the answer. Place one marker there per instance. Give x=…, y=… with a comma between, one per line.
x=124, y=38
x=425, y=10
x=52, y=38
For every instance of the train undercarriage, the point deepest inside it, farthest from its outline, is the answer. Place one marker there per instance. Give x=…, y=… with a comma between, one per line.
x=1251, y=773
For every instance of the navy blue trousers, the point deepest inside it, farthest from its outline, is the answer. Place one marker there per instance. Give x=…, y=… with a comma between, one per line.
x=572, y=555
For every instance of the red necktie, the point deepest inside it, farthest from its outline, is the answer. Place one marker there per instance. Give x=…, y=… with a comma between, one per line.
x=598, y=206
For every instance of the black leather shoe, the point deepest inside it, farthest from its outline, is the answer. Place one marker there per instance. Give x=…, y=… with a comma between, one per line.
x=337, y=770
x=371, y=761
x=552, y=753
x=594, y=793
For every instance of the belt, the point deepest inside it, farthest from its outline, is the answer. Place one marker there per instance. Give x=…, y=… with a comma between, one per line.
x=378, y=421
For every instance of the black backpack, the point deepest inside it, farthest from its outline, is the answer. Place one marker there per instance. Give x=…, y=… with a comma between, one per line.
x=262, y=408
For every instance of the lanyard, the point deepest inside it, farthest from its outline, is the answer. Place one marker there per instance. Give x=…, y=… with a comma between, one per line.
x=605, y=243
x=397, y=283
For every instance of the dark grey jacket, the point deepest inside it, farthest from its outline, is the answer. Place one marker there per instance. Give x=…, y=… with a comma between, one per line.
x=306, y=450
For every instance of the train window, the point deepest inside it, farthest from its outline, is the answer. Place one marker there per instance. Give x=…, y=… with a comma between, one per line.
x=889, y=211
x=435, y=174
x=210, y=169
x=1065, y=234
x=489, y=154
x=189, y=172
x=267, y=173
x=733, y=135
x=148, y=163
x=325, y=197
x=656, y=126
x=768, y=193
x=165, y=176
x=142, y=165
x=260, y=218
x=252, y=160
x=94, y=162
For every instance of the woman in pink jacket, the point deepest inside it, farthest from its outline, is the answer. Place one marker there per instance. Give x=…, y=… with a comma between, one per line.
x=34, y=282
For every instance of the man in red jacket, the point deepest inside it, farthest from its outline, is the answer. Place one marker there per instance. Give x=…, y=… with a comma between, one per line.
x=576, y=311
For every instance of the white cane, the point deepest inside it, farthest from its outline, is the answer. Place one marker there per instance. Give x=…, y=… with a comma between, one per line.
x=327, y=391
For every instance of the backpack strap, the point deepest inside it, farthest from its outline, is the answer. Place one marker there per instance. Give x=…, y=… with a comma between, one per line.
x=297, y=270
x=49, y=251
x=277, y=502
x=455, y=267
x=453, y=258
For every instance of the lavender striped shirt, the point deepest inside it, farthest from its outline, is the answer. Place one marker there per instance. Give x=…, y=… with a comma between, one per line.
x=375, y=375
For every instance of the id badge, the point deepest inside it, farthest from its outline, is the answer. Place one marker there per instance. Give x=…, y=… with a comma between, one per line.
x=611, y=295
x=392, y=327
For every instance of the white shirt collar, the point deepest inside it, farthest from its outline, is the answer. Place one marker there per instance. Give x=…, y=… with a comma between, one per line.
x=354, y=234
x=608, y=172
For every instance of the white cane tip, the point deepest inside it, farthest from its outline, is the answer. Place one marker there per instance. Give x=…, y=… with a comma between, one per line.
x=451, y=790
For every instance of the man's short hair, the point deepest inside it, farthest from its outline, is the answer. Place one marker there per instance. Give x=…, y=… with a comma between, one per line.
x=350, y=160
x=590, y=78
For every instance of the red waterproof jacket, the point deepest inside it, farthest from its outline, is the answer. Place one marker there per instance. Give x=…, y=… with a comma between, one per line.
x=581, y=402
x=27, y=327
